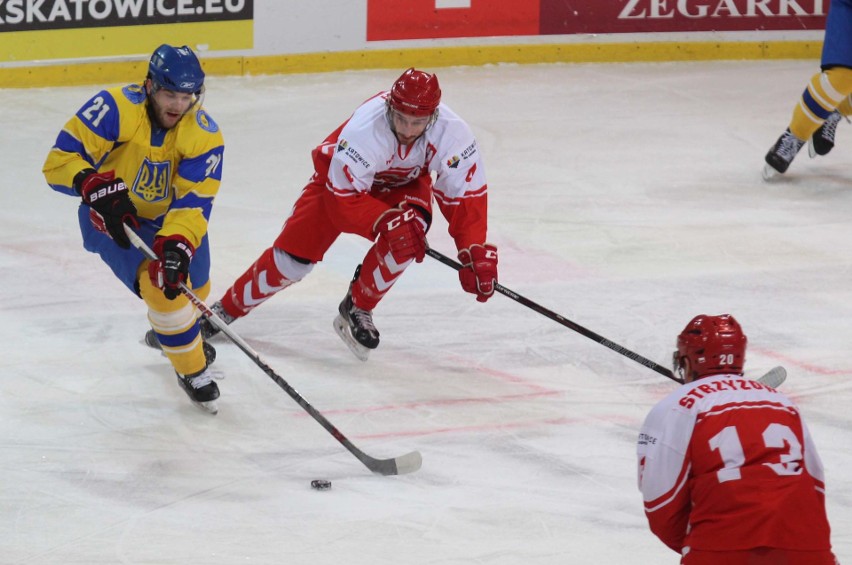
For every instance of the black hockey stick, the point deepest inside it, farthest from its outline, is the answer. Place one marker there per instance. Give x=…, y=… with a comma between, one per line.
x=564, y=321
x=407, y=463
x=773, y=378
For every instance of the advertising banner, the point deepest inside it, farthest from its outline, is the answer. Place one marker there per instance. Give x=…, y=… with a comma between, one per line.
x=422, y=19
x=429, y=19
x=640, y=16
x=59, y=29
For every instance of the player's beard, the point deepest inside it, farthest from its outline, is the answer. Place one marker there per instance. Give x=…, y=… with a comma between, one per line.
x=406, y=140
x=163, y=117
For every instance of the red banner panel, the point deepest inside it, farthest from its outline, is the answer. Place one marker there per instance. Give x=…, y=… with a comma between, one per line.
x=639, y=16
x=429, y=19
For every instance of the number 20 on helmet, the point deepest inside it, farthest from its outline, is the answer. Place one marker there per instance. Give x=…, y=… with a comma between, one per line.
x=710, y=345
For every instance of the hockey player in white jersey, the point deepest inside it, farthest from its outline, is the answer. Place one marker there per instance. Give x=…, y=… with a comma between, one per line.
x=372, y=177
x=728, y=470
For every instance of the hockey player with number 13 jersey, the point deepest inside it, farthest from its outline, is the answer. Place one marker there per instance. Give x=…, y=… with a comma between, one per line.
x=727, y=468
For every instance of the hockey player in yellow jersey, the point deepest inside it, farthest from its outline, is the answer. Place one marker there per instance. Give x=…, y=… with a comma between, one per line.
x=148, y=155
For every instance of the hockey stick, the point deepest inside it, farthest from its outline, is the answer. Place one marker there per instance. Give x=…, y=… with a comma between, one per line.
x=778, y=374
x=774, y=378
x=407, y=463
x=565, y=322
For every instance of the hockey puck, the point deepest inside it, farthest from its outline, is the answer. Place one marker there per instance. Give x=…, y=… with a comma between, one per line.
x=320, y=484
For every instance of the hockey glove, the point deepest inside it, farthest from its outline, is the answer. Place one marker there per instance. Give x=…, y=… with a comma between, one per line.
x=110, y=203
x=402, y=233
x=478, y=274
x=172, y=267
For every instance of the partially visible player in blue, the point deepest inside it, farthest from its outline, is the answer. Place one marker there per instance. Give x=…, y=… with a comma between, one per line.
x=826, y=100
x=149, y=156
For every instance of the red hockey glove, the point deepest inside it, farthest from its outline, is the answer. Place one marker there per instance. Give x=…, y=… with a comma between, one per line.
x=402, y=232
x=478, y=274
x=172, y=267
x=110, y=203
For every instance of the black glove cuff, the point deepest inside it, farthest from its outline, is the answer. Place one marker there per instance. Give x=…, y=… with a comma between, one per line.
x=79, y=178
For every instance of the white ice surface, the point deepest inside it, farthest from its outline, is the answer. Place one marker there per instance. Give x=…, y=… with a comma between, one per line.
x=627, y=198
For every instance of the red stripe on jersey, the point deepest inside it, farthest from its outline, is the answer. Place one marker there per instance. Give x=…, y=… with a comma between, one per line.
x=763, y=404
x=661, y=501
x=446, y=200
x=343, y=192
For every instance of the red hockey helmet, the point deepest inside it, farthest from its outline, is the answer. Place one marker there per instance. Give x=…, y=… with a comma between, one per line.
x=712, y=345
x=415, y=93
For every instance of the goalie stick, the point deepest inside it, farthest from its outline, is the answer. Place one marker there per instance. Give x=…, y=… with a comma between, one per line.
x=778, y=374
x=401, y=465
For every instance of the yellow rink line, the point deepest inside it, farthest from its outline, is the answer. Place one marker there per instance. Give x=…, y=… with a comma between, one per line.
x=79, y=73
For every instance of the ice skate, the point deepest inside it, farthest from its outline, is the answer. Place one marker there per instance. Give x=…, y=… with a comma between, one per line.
x=822, y=141
x=208, y=330
x=778, y=158
x=201, y=389
x=209, y=351
x=355, y=327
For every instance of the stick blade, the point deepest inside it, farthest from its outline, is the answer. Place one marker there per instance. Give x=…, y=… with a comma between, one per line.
x=408, y=463
x=401, y=465
x=774, y=378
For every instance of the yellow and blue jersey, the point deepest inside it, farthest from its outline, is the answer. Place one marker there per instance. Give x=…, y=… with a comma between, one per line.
x=172, y=174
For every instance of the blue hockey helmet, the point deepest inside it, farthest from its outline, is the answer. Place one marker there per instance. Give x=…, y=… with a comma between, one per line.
x=176, y=69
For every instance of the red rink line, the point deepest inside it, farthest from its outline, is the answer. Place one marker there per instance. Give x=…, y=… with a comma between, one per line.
x=443, y=402
x=506, y=377
x=806, y=366
x=483, y=427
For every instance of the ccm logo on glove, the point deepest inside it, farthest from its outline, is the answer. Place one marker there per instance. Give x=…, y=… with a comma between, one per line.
x=402, y=234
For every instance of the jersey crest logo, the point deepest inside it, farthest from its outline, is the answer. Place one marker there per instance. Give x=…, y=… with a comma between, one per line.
x=395, y=177
x=134, y=92
x=454, y=162
x=342, y=145
x=205, y=122
x=153, y=181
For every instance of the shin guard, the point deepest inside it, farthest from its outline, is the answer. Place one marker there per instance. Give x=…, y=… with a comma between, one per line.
x=377, y=276
x=257, y=285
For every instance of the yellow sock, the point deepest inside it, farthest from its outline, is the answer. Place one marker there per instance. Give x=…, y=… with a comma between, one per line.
x=175, y=321
x=826, y=91
x=845, y=107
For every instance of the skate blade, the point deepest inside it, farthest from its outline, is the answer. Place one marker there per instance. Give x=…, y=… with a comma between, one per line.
x=769, y=173
x=211, y=407
x=811, y=149
x=345, y=333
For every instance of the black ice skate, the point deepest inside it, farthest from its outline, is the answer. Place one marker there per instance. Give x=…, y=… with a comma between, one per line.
x=355, y=327
x=208, y=330
x=778, y=158
x=822, y=141
x=201, y=389
x=209, y=351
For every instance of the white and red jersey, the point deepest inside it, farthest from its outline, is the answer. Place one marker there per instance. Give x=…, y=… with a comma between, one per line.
x=363, y=156
x=726, y=463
